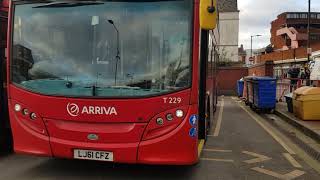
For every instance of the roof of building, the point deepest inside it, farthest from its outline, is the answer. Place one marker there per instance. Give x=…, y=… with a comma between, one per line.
x=228, y=5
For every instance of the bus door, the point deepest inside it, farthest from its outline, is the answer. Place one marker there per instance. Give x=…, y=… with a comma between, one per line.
x=5, y=134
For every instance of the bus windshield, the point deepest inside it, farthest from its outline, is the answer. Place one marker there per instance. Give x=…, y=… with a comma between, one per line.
x=105, y=49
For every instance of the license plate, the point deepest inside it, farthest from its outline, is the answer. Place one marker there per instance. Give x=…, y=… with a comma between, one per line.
x=92, y=155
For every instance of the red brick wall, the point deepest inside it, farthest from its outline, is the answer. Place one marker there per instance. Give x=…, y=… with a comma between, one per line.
x=262, y=69
x=288, y=54
x=227, y=79
x=277, y=41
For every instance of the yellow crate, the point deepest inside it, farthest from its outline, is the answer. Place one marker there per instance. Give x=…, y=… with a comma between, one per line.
x=306, y=103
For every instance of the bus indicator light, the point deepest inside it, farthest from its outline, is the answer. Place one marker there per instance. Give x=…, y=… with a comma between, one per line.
x=169, y=117
x=33, y=116
x=160, y=121
x=17, y=107
x=25, y=111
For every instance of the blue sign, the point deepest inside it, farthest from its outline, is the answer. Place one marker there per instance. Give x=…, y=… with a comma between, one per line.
x=193, y=120
x=193, y=132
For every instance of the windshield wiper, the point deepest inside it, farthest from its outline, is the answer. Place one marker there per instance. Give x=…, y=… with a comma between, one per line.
x=58, y=4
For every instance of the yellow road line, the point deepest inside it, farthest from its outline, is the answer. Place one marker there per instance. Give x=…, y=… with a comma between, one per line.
x=297, y=150
x=268, y=130
x=268, y=172
x=200, y=147
x=218, y=160
x=292, y=160
x=218, y=126
x=292, y=175
x=217, y=150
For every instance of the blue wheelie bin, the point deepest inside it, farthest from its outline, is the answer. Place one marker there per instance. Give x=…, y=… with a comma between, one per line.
x=240, y=85
x=264, y=91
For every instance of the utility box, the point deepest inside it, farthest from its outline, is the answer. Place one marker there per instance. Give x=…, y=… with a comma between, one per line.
x=306, y=103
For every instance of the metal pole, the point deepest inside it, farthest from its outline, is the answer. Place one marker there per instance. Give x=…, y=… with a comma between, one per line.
x=117, y=57
x=309, y=22
x=308, y=49
x=118, y=51
x=251, y=47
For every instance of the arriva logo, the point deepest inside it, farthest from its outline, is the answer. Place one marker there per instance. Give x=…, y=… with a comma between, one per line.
x=74, y=110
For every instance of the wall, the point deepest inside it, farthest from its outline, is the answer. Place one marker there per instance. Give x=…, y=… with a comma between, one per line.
x=227, y=79
x=261, y=69
x=283, y=55
x=229, y=35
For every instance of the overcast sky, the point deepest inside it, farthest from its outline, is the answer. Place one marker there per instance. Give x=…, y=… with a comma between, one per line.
x=256, y=16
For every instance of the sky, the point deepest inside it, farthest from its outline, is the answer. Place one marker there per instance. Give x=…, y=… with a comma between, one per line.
x=256, y=16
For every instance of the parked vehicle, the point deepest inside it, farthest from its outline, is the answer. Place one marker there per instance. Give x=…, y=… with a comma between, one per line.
x=112, y=81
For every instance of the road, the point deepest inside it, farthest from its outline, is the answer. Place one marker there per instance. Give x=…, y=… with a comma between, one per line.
x=241, y=146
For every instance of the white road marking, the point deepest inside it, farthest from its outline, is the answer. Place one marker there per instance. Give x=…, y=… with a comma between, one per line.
x=218, y=160
x=258, y=157
x=217, y=150
x=218, y=126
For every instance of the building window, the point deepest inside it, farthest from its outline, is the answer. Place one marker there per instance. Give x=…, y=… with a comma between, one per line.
x=318, y=16
x=315, y=37
x=314, y=16
x=303, y=16
x=290, y=16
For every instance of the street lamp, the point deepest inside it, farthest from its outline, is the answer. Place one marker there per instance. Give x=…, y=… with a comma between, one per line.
x=309, y=50
x=258, y=35
x=308, y=29
x=118, y=51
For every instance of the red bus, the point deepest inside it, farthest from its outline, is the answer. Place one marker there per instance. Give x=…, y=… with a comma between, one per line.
x=116, y=81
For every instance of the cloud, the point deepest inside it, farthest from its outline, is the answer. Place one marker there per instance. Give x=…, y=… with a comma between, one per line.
x=256, y=16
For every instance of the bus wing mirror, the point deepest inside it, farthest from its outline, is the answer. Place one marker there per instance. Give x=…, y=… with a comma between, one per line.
x=208, y=14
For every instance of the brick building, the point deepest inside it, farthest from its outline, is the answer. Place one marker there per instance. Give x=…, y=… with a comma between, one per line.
x=289, y=30
x=289, y=42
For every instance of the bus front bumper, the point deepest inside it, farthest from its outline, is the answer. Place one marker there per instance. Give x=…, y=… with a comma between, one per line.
x=177, y=147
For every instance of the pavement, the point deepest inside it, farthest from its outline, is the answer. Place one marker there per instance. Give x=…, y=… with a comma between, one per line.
x=310, y=128
x=241, y=146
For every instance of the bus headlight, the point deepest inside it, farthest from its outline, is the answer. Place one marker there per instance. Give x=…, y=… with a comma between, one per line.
x=28, y=117
x=158, y=127
x=179, y=113
x=17, y=107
